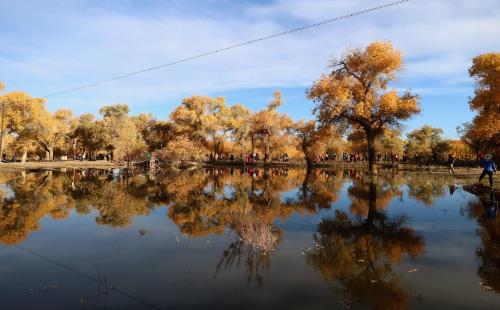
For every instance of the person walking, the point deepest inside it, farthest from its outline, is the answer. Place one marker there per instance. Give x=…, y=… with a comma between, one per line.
x=489, y=167
x=451, y=161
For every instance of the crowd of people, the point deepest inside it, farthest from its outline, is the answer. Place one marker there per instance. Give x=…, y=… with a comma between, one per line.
x=245, y=157
x=93, y=156
x=356, y=157
x=487, y=162
x=321, y=158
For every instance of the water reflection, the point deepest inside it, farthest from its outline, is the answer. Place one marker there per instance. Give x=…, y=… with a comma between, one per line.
x=359, y=246
x=425, y=188
x=35, y=195
x=488, y=253
x=358, y=253
x=255, y=203
x=319, y=189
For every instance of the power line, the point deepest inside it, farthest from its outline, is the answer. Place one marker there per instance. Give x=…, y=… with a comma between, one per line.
x=272, y=36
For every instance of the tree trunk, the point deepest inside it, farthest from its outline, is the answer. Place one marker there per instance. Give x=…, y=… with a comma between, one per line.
x=49, y=151
x=218, y=148
x=266, y=152
x=371, y=150
x=308, y=159
x=25, y=155
x=252, y=140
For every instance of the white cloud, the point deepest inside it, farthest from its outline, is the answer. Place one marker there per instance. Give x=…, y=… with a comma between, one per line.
x=66, y=45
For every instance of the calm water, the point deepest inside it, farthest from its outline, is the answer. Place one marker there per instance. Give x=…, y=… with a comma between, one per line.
x=234, y=240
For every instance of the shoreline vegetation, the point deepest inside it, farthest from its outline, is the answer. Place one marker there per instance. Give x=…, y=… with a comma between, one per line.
x=432, y=168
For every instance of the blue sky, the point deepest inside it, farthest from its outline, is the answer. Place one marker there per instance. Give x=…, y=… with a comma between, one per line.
x=48, y=46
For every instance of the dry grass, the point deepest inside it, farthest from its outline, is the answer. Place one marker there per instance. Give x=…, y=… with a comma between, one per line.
x=256, y=233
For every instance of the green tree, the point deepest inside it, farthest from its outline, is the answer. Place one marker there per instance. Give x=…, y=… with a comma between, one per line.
x=88, y=133
x=115, y=110
x=426, y=143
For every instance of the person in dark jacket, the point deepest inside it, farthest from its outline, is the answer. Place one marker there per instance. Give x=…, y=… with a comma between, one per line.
x=489, y=167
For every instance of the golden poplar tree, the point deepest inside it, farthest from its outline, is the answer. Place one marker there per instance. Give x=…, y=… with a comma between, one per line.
x=486, y=101
x=267, y=124
x=356, y=93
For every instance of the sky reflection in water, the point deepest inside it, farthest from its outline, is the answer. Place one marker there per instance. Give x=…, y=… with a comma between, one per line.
x=215, y=239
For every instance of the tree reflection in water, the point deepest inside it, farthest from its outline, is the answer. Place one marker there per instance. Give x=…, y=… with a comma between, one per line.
x=255, y=204
x=485, y=211
x=35, y=195
x=426, y=188
x=248, y=203
x=319, y=189
x=358, y=253
x=251, y=210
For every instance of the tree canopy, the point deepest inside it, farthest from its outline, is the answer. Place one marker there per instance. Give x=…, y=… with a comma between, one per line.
x=356, y=92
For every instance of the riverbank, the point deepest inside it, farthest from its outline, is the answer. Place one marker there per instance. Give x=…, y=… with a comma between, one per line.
x=103, y=164
x=432, y=169
x=69, y=164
